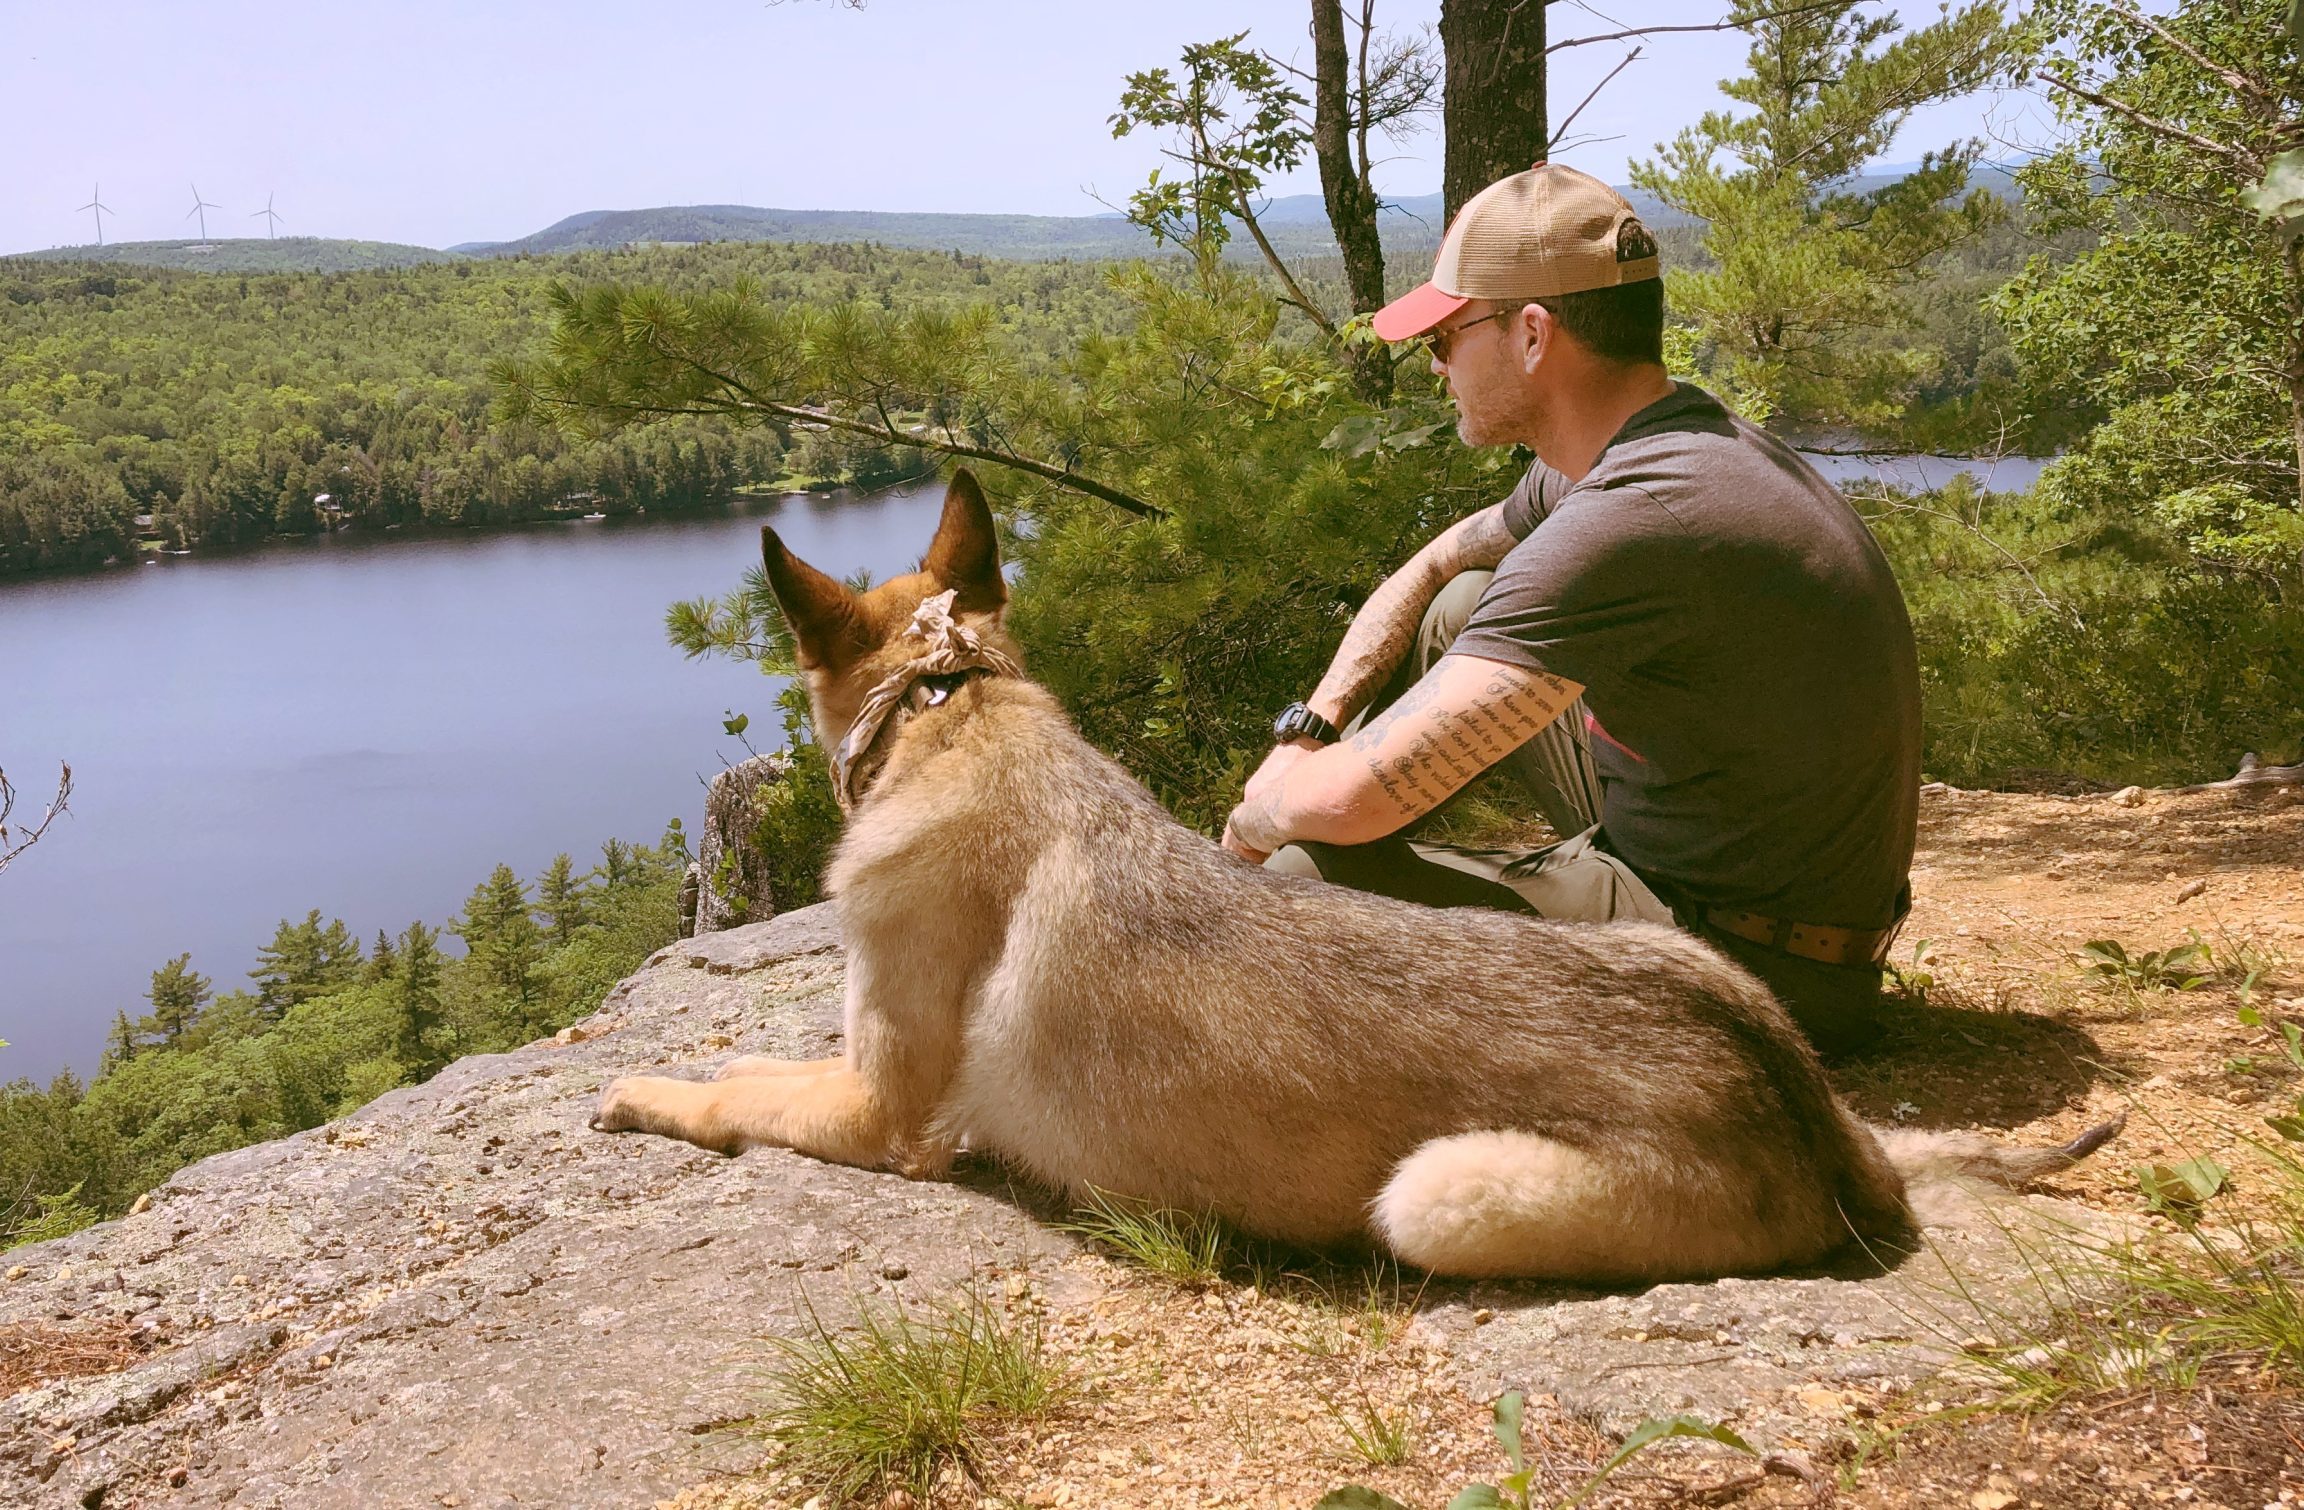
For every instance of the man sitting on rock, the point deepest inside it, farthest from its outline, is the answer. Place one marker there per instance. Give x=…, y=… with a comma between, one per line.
x=1683, y=639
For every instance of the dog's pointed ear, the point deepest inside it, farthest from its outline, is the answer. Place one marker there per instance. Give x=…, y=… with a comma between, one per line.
x=821, y=611
x=966, y=551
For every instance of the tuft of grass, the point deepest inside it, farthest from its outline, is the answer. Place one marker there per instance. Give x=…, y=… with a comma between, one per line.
x=1181, y=1246
x=1355, y=1305
x=2157, y=1310
x=2243, y=958
x=889, y=1404
x=1377, y=1437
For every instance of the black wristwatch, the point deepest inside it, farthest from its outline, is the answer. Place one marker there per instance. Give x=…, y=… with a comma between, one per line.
x=1299, y=722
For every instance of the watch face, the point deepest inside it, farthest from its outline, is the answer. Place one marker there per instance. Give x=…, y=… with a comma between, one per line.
x=1298, y=722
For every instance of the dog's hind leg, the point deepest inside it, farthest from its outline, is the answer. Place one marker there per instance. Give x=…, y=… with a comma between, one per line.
x=1498, y=1204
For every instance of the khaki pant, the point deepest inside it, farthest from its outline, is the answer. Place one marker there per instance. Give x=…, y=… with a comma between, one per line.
x=1574, y=880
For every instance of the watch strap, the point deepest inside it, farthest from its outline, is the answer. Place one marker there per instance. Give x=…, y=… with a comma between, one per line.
x=1296, y=721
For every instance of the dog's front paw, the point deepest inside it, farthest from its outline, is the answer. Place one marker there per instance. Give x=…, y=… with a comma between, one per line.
x=628, y=1105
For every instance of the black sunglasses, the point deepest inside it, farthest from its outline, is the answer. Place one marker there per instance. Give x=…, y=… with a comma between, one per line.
x=1439, y=340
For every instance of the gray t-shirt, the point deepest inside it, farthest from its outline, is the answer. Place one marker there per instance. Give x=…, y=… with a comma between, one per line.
x=1746, y=656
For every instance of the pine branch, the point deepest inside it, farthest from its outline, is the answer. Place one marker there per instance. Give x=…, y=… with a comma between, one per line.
x=746, y=401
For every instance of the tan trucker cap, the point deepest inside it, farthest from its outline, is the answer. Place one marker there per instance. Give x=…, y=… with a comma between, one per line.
x=1545, y=232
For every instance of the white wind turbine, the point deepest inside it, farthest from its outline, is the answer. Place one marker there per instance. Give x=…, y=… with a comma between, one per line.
x=201, y=207
x=271, y=221
x=96, y=203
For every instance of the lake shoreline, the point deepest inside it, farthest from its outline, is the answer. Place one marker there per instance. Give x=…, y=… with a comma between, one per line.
x=153, y=554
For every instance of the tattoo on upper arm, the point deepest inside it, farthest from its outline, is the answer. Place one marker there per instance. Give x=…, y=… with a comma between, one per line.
x=1484, y=541
x=1384, y=629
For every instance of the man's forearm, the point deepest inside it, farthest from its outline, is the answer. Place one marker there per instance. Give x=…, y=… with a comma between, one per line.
x=1385, y=627
x=1463, y=716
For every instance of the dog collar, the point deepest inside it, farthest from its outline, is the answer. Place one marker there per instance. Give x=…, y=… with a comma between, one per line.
x=954, y=655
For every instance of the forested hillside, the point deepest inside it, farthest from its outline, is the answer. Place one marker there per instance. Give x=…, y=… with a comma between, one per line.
x=322, y=1026
x=222, y=407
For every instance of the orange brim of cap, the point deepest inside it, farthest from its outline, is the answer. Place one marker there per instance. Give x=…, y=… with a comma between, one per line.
x=1417, y=311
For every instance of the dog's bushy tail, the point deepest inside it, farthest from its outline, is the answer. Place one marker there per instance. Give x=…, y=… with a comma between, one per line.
x=1926, y=1157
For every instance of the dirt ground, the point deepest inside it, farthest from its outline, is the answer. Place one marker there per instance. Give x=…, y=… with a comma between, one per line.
x=1233, y=1395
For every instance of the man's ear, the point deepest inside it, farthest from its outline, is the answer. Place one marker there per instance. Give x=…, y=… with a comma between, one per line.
x=966, y=551
x=821, y=611
x=1541, y=330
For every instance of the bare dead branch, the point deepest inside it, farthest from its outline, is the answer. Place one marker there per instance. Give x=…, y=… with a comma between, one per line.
x=1560, y=134
x=24, y=838
x=887, y=431
x=1658, y=31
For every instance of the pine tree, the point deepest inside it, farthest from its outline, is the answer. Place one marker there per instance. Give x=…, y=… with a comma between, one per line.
x=304, y=960
x=560, y=901
x=383, y=964
x=416, y=992
x=501, y=938
x=1810, y=267
x=1493, y=120
x=120, y=1044
x=178, y=992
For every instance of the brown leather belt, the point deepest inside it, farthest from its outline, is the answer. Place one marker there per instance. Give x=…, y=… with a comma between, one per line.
x=1826, y=945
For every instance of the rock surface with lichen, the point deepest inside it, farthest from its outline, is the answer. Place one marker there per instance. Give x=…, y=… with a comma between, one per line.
x=460, y=1295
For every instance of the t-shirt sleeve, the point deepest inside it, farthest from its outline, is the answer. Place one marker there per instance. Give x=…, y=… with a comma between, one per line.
x=1531, y=499
x=1596, y=591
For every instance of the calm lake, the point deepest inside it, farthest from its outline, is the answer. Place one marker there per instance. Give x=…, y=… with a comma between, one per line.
x=363, y=724
x=368, y=724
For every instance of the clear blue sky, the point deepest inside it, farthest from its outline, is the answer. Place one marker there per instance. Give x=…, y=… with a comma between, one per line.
x=435, y=122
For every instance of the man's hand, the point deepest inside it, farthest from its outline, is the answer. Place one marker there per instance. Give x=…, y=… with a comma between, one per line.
x=1260, y=798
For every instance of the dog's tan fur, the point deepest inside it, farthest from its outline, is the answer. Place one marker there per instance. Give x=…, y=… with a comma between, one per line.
x=1043, y=965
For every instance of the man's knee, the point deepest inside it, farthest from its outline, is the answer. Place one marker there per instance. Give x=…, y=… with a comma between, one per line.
x=1291, y=860
x=1450, y=611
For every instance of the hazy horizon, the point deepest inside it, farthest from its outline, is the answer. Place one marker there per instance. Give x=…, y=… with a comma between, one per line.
x=435, y=124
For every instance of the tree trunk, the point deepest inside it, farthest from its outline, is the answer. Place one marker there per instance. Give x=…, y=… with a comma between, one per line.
x=2295, y=372
x=1351, y=200
x=1493, y=112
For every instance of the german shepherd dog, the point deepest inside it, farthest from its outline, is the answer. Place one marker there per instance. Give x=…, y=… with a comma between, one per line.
x=1046, y=967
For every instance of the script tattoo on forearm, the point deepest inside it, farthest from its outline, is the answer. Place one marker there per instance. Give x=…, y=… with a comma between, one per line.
x=1418, y=751
x=1384, y=629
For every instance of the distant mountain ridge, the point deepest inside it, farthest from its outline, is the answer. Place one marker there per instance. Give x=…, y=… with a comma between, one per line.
x=1296, y=223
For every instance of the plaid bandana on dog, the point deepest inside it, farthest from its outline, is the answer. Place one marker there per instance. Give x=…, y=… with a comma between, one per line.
x=953, y=650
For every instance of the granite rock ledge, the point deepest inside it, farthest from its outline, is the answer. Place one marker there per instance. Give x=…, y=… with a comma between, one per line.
x=462, y=1295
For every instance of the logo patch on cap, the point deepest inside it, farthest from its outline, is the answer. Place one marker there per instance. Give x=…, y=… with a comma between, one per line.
x=1633, y=243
